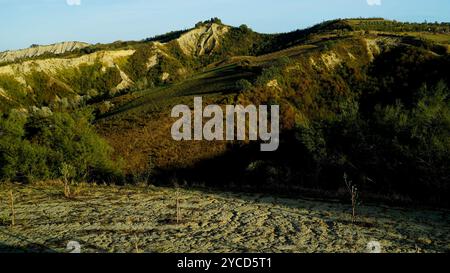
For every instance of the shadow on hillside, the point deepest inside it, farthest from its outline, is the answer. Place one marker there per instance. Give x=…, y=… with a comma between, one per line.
x=220, y=81
x=244, y=168
x=27, y=246
x=287, y=173
x=32, y=248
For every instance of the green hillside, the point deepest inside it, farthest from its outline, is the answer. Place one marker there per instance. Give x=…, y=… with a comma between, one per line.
x=368, y=98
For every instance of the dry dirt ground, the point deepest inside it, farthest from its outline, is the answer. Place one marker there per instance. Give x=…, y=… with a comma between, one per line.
x=143, y=219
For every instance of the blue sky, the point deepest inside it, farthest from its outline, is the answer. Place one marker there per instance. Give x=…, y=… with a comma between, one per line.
x=26, y=22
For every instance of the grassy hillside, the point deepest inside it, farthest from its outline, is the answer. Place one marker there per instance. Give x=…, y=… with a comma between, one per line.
x=368, y=98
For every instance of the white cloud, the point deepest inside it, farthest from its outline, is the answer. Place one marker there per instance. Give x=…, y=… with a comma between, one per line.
x=73, y=2
x=374, y=2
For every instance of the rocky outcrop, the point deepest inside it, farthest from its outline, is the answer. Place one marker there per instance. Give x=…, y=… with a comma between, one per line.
x=202, y=40
x=3, y=94
x=53, y=65
x=35, y=51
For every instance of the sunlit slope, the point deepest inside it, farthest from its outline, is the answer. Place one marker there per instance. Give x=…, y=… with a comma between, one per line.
x=138, y=125
x=348, y=90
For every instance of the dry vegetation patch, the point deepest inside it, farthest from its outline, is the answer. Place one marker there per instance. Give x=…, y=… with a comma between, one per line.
x=144, y=219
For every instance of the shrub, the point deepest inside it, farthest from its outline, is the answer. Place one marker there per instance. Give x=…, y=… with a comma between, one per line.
x=243, y=85
x=12, y=86
x=33, y=148
x=88, y=79
x=136, y=66
x=268, y=74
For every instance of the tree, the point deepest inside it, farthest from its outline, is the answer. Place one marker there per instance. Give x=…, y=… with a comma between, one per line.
x=33, y=148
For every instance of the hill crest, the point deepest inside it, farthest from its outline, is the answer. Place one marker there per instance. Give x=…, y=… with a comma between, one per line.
x=39, y=50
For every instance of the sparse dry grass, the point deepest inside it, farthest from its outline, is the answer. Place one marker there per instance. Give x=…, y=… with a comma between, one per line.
x=152, y=137
x=142, y=219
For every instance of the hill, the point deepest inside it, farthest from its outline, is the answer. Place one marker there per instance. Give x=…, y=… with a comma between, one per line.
x=39, y=50
x=364, y=97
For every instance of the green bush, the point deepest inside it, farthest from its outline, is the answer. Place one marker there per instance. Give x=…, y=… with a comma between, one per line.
x=243, y=85
x=18, y=157
x=416, y=140
x=91, y=78
x=35, y=147
x=136, y=66
x=12, y=86
x=268, y=74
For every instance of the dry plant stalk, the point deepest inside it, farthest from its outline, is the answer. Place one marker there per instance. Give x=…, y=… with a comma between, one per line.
x=353, y=190
x=68, y=172
x=354, y=193
x=178, y=206
x=66, y=188
x=136, y=244
x=13, y=211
